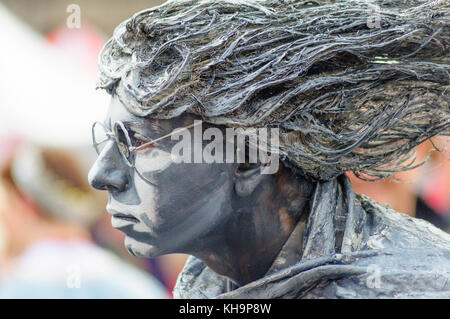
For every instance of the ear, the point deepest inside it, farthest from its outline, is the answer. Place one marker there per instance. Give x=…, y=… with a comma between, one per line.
x=247, y=178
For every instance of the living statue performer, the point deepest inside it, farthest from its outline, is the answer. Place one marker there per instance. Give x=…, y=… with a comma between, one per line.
x=352, y=86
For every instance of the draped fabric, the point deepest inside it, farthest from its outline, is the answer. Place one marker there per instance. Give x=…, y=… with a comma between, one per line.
x=349, y=247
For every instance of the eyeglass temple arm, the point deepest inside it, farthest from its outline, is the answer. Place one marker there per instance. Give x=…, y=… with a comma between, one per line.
x=163, y=137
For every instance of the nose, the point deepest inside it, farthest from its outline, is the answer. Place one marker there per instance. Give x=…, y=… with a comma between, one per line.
x=109, y=171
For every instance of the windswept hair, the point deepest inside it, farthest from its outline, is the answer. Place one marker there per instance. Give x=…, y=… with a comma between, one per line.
x=352, y=85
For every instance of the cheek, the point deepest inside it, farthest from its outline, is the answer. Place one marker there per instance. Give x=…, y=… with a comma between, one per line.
x=179, y=192
x=189, y=201
x=153, y=161
x=148, y=197
x=182, y=185
x=168, y=202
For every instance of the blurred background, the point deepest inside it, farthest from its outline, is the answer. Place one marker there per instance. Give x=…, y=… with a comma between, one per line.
x=56, y=239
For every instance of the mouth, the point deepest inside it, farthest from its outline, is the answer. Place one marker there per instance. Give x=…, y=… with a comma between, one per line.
x=125, y=218
x=118, y=219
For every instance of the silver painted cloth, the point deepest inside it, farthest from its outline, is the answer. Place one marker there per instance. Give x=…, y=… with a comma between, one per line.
x=348, y=247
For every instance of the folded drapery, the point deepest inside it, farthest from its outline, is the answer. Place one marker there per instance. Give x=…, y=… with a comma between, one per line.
x=377, y=253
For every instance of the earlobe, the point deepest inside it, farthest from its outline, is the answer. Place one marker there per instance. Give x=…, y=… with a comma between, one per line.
x=247, y=179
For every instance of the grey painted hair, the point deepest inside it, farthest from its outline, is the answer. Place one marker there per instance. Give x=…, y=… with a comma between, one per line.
x=352, y=85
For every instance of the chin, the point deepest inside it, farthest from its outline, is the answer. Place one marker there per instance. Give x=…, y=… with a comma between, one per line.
x=140, y=249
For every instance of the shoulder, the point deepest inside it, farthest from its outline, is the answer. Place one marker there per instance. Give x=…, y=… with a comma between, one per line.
x=390, y=229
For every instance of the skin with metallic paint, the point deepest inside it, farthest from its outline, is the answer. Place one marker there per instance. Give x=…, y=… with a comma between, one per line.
x=227, y=214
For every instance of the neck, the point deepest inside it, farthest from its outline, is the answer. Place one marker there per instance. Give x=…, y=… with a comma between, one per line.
x=261, y=223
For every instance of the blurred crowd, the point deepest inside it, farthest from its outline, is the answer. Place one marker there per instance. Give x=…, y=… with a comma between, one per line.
x=56, y=239
x=423, y=192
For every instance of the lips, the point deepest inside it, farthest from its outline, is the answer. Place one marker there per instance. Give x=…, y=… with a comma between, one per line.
x=126, y=218
x=122, y=217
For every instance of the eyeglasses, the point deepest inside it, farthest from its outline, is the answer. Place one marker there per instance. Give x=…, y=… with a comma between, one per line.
x=140, y=153
x=100, y=135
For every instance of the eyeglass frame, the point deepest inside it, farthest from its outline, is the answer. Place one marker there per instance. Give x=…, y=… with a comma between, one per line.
x=130, y=147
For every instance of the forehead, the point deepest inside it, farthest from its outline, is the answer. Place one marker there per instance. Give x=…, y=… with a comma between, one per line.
x=118, y=112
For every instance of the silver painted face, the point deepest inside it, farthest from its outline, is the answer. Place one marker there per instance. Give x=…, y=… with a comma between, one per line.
x=162, y=206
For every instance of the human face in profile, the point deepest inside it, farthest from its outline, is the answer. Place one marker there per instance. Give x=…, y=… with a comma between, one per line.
x=161, y=205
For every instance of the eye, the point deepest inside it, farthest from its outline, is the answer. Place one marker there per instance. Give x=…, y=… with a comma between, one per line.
x=140, y=140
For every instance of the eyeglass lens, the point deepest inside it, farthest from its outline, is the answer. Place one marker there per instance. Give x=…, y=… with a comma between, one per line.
x=99, y=137
x=147, y=160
